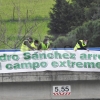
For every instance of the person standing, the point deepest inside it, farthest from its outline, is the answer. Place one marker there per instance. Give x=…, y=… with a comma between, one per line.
x=45, y=45
x=35, y=44
x=26, y=45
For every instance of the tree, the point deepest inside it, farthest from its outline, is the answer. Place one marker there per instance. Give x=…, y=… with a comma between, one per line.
x=83, y=3
x=90, y=31
x=58, y=17
x=65, y=17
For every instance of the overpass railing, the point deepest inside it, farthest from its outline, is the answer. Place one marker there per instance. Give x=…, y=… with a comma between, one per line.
x=15, y=50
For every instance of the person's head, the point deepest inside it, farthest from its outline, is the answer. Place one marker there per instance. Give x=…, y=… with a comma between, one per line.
x=85, y=41
x=30, y=39
x=36, y=42
x=46, y=40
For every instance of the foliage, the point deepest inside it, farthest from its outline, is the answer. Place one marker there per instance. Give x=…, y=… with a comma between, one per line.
x=67, y=41
x=58, y=18
x=89, y=30
x=68, y=17
x=30, y=17
x=78, y=18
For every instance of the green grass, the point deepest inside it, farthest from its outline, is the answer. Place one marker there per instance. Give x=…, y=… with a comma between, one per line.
x=38, y=28
x=38, y=31
x=37, y=12
x=20, y=7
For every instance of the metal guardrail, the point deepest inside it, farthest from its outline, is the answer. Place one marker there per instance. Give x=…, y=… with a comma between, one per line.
x=9, y=50
x=91, y=48
x=15, y=50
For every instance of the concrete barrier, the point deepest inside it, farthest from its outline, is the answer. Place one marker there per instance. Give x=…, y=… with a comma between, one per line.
x=39, y=85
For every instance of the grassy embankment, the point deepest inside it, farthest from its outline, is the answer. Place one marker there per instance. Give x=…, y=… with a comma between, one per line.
x=12, y=12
